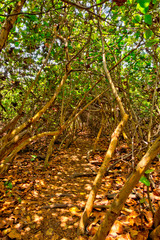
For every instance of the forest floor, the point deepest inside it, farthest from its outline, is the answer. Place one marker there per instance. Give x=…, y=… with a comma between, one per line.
x=47, y=204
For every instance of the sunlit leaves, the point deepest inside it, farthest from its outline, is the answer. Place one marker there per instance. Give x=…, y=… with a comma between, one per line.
x=137, y=34
x=33, y=17
x=2, y=19
x=148, y=19
x=8, y=185
x=143, y=10
x=152, y=42
x=74, y=210
x=46, y=23
x=98, y=1
x=33, y=158
x=149, y=171
x=144, y=3
x=138, y=18
x=16, y=44
x=148, y=33
x=145, y=181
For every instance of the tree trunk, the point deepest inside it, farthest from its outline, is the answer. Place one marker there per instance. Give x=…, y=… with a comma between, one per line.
x=122, y=196
x=100, y=175
x=9, y=22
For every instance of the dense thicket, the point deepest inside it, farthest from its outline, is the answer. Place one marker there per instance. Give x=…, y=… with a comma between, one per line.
x=66, y=66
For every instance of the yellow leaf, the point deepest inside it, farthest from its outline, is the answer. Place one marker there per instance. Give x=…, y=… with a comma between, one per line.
x=14, y=234
x=74, y=210
x=55, y=237
x=133, y=233
x=28, y=219
x=82, y=193
x=49, y=232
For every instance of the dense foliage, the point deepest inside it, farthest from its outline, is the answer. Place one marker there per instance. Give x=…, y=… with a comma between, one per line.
x=129, y=25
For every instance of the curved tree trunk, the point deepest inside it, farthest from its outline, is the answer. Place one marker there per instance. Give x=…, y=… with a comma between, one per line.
x=4, y=166
x=122, y=196
x=9, y=22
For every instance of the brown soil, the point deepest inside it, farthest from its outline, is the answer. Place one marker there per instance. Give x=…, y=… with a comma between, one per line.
x=47, y=204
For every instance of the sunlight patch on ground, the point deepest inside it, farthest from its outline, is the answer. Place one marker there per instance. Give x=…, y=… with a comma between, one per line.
x=74, y=157
x=35, y=193
x=52, y=199
x=36, y=218
x=88, y=187
x=64, y=221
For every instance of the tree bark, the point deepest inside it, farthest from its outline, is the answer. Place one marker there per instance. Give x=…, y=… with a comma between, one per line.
x=100, y=175
x=122, y=196
x=9, y=22
x=155, y=234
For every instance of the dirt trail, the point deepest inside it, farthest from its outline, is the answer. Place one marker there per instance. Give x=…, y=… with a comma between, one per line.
x=34, y=216
x=47, y=204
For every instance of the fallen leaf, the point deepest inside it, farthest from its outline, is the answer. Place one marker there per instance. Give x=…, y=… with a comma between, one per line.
x=93, y=229
x=143, y=235
x=6, y=231
x=149, y=218
x=99, y=216
x=74, y=210
x=124, y=237
x=14, y=234
x=156, y=192
x=49, y=232
x=55, y=237
x=133, y=233
x=117, y=228
x=38, y=235
x=28, y=218
x=3, y=223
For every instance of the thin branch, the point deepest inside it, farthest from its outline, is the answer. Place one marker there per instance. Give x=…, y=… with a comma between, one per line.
x=77, y=5
x=32, y=13
x=139, y=44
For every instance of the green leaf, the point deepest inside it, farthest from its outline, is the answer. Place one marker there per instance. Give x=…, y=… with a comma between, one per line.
x=137, y=34
x=80, y=15
x=143, y=10
x=18, y=20
x=2, y=19
x=145, y=181
x=46, y=23
x=33, y=17
x=148, y=33
x=148, y=19
x=151, y=42
x=8, y=185
x=19, y=200
x=138, y=18
x=149, y=171
x=144, y=3
x=143, y=200
x=33, y=157
x=16, y=44
x=98, y=1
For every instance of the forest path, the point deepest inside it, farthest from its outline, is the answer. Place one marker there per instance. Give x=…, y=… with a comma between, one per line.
x=47, y=204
